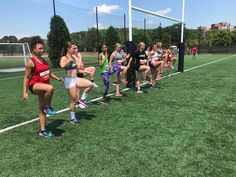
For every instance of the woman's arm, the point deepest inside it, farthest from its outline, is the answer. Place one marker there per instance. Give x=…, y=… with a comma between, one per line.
x=111, y=59
x=28, y=68
x=130, y=60
x=64, y=62
x=52, y=75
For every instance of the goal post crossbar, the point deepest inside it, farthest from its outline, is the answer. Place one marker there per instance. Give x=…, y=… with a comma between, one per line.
x=155, y=14
x=131, y=7
x=181, y=45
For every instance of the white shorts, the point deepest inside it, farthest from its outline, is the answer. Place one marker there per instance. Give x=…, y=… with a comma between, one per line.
x=71, y=82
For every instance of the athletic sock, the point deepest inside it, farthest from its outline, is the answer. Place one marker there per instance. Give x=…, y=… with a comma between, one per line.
x=84, y=96
x=72, y=115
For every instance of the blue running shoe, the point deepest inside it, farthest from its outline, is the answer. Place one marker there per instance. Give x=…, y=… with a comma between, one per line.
x=46, y=134
x=86, y=101
x=49, y=111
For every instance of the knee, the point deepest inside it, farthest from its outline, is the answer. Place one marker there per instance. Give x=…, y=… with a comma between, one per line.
x=73, y=101
x=94, y=69
x=50, y=89
x=91, y=85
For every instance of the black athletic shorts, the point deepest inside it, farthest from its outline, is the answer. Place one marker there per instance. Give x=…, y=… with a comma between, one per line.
x=31, y=89
x=151, y=65
x=81, y=75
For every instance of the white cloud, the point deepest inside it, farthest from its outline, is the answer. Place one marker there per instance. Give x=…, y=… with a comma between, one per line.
x=164, y=11
x=100, y=26
x=105, y=9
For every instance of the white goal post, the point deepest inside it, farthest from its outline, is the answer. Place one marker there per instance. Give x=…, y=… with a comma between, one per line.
x=25, y=46
x=181, y=46
x=131, y=7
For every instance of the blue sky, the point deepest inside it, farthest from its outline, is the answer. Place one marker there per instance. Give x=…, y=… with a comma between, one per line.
x=32, y=17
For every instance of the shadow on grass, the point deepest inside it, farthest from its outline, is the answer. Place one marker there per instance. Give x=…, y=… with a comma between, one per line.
x=53, y=127
x=84, y=115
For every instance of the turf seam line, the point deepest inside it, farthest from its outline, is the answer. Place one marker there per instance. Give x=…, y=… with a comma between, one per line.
x=9, y=78
x=111, y=94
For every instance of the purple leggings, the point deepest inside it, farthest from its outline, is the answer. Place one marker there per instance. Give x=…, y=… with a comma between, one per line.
x=105, y=77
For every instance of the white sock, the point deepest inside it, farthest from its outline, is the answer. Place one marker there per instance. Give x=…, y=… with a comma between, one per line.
x=84, y=96
x=72, y=115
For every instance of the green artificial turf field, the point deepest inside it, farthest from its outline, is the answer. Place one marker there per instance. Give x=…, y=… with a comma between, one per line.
x=184, y=127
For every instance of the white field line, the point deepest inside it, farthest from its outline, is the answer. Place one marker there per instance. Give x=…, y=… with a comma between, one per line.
x=9, y=78
x=216, y=61
x=99, y=98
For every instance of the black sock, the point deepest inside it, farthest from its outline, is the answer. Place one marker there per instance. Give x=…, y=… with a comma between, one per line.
x=92, y=81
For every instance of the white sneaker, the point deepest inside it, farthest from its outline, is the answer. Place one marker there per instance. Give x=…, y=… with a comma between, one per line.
x=140, y=91
x=82, y=106
x=95, y=85
x=145, y=82
x=172, y=67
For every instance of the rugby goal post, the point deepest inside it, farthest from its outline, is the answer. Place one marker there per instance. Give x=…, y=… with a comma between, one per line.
x=181, y=46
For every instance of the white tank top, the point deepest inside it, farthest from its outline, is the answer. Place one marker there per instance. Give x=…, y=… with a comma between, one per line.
x=154, y=57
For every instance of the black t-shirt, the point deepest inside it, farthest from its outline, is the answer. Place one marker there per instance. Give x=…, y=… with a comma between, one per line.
x=140, y=58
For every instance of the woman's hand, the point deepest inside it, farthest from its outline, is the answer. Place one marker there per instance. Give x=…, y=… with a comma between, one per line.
x=25, y=96
x=61, y=80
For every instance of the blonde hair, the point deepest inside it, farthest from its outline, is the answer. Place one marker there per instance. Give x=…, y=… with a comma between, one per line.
x=159, y=44
x=140, y=43
x=117, y=44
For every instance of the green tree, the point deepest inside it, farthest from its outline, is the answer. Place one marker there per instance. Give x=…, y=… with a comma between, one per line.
x=166, y=40
x=233, y=37
x=58, y=36
x=79, y=39
x=222, y=38
x=9, y=49
x=90, y=40
x=111, y=37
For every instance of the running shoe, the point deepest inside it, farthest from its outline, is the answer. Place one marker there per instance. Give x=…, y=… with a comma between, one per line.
x=145, y=82
x=95, y=85
x=124, y=82
x=158, y=77
x=115, y=83
x=49, y=111
x=46, y=134
x=105, y=101
x=74, y=121
x=172, y=67
x=86, y=100
x=82, y=104
x=119, y=94
x=140, y=91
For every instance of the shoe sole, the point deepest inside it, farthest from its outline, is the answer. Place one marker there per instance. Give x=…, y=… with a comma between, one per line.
x=41, y=135
x=104, y=102
x=82, y=107
x=74, y=123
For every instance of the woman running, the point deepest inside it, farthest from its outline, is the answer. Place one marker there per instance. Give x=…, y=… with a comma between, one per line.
x=72, y=82
x=118, y=57
x=140, y=64
x=37, y=76
x=154, y=63
x=106, y=71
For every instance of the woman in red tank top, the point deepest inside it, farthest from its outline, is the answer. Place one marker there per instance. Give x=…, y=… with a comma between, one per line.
x=37, y=75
